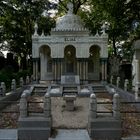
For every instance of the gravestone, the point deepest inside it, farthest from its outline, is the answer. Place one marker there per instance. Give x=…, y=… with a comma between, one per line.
x=70, y=79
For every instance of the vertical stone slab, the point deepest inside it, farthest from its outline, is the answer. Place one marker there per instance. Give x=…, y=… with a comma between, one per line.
x=23, y=104
x=13, y=85
x=27, y=80
x=47, y=105
x=116, y=106
x=118, y=81
x=126, y=84
x=111, y=80
x=21, y=82
x=137, y=91
x=3, y=88
x=93, y=106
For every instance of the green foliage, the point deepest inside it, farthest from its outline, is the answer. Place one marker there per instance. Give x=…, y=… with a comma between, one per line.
x=7, y=74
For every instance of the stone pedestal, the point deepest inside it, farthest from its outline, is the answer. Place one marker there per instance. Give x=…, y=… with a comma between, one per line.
x=34, y=128
x=69, y=102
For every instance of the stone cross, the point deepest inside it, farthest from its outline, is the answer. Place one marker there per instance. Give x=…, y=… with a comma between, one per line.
x=116, y=106
x=93, y=106
x=47, y=105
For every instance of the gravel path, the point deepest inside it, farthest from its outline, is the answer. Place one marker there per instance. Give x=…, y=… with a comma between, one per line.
x=70, y=119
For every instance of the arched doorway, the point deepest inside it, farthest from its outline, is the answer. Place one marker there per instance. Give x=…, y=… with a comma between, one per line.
x=94, y=63
x=70, y=60
x=45, y=63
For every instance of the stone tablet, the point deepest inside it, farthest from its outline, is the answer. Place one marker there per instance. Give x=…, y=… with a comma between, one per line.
x=70, y=79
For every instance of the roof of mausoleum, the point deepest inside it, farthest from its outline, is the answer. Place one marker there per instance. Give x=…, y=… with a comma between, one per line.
x=69, y=22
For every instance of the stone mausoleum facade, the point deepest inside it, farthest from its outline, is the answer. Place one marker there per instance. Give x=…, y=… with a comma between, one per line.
x=69, y=50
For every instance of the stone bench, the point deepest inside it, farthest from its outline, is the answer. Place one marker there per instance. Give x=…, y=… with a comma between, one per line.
x=69, y=102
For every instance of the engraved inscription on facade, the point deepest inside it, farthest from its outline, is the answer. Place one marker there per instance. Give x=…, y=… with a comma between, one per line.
x=69, y=39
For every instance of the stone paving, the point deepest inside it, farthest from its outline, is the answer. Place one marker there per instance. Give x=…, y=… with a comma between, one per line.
x=71, y=134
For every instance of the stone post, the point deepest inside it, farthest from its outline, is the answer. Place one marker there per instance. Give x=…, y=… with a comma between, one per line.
x=13, y=85
x=32, y=78
x=137, y=91
x=21, y=82
x=93, y=106
x=27, y=80
x=116, y=106
x=111, y=80
x=118, y=81
x=3, y=88
x=126, y=84
x=47, y=105
x=137, y=70
x=23, y=104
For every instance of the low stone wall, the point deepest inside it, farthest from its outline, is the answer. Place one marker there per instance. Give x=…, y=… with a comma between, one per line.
x=34, y=127
x=103, y=127
x=12, y=96
x=125, y=95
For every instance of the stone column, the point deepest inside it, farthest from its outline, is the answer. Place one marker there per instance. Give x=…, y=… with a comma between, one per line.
x=61, y=67
x=93, y=106
x=116, y=106
x=103, y=74
x=78, y=68
x=84, y=68
x=34, y=70
x=47, y=105
x=105, y=70
x=55, y=70
x=87, y=70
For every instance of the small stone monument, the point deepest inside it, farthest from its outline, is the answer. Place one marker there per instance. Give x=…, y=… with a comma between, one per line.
x=69, y=102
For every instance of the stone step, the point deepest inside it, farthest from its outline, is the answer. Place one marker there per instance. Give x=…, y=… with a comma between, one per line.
x=71, y=134
x=105, y=123
x=8, y=134
x=105, y=133
x=38, y=133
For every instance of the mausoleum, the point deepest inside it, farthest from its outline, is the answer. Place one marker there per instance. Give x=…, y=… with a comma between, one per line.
x=70, y=49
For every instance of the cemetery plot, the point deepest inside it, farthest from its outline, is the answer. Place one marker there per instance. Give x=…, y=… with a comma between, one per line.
x=78, y=118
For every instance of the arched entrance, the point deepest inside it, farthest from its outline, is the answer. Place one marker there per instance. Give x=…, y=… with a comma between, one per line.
x=45, y=63
x=94, y=63
x=70, y=60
